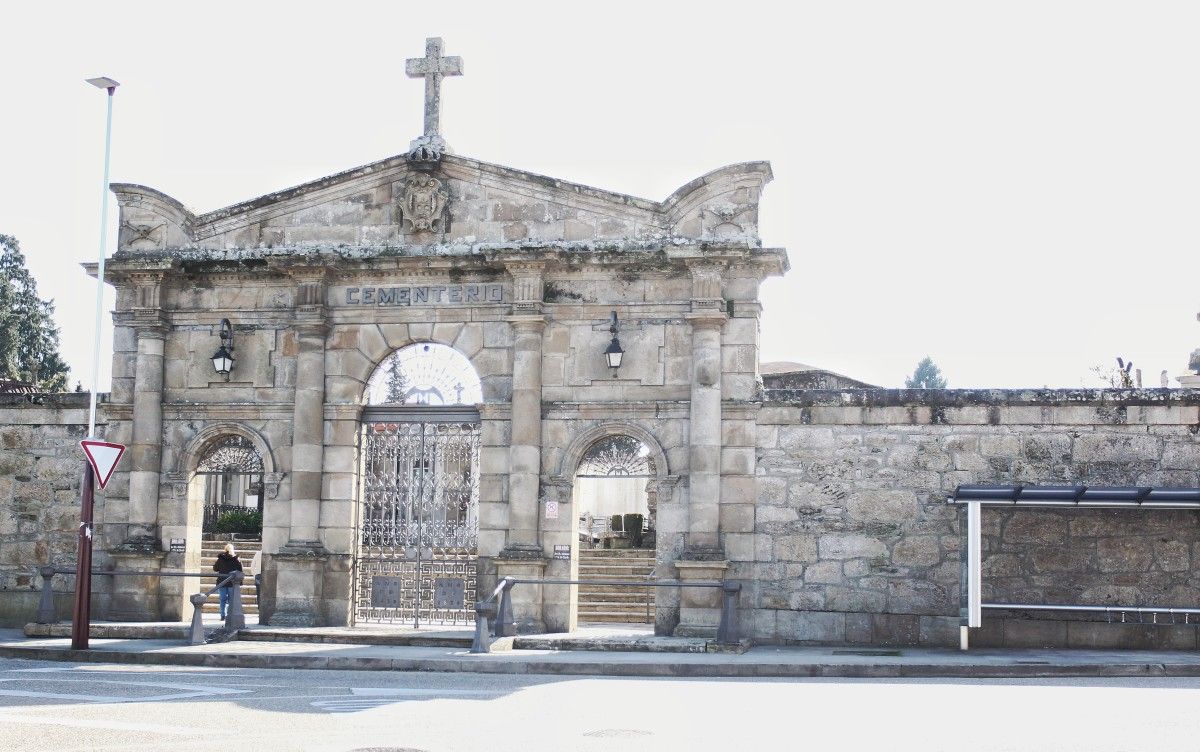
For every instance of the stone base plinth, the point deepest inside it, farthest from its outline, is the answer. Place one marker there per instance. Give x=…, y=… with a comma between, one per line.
x=293, y=585
x=699, y=607
x=526, y=598
x=136, y=597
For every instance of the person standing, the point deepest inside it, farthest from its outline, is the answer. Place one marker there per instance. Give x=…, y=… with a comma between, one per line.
x=227, y=562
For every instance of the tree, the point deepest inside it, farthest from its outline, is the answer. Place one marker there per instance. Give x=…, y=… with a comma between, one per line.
x=927, y=376
x=397, y=383
x=28, y=335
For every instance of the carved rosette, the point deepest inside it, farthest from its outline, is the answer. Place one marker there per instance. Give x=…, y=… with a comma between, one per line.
x=423, y=205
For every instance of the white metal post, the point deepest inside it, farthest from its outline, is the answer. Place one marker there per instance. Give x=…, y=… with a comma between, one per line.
x=111, y=87
x=974, y=564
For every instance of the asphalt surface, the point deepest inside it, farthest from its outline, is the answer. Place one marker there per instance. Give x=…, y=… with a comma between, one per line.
x=64, y=706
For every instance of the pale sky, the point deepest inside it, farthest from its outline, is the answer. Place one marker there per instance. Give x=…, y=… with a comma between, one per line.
x=1009, y=187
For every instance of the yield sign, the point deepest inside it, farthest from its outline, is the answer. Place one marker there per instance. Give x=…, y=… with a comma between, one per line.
x=104, y=456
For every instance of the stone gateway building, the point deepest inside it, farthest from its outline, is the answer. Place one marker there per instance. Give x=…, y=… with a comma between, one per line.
x=422, y=361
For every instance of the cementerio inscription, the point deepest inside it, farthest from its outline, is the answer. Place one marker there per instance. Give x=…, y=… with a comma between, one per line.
x=480, y=294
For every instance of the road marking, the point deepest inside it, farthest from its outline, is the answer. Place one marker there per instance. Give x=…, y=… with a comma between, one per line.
x=186, y=691
x=101, y=724
x=419, y=691
x=367, y=698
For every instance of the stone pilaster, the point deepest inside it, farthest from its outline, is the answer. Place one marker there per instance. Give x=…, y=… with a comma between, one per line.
x=145, y=451
x=294, y=575
x=704, y=436
x=525, y=448
x=560, y=528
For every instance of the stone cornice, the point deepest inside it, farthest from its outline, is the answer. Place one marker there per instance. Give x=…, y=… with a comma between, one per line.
x=612, y=410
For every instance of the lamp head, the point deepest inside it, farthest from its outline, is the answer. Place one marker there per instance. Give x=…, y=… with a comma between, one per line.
x=104, y=82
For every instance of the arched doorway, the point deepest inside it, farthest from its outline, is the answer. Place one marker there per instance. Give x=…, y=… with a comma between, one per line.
x=418, y=512
x=232, y=474
x=616, y=529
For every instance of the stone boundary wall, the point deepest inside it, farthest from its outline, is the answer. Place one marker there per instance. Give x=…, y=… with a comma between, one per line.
x=854, y=542
x=41, y=468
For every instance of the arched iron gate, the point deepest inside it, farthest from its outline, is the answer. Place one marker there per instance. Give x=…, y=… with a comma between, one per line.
x=419, y=517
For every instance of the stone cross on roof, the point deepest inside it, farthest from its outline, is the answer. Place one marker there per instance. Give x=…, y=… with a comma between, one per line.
x=432, y=67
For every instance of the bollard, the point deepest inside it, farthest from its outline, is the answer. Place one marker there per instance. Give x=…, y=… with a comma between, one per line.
x=196, y=636
x=45, y=612
x=727, y=633
x=482, y=642
x=235, y=617
x=504, y=618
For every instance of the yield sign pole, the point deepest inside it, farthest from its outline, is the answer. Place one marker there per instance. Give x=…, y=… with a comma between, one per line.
x=102, y=459
x=81, y=617
x=80, y=621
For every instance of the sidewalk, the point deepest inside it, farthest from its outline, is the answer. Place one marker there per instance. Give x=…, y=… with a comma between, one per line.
x=758, y=662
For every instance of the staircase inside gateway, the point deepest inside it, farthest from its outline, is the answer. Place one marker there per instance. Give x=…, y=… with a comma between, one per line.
x=208, y=579
x=612, y=603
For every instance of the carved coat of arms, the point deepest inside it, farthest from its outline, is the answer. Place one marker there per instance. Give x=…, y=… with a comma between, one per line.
x=424, y=204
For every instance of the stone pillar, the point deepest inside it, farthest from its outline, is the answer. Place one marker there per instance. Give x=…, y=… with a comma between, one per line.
x=137, y=598
x=525, y=451
x=523, y=555
x=704, y=437
x=294, y=575
x=145, y=450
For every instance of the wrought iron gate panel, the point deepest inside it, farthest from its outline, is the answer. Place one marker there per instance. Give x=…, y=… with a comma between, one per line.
x=419, y=523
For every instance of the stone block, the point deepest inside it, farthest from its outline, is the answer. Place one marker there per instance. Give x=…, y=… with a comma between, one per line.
x=850, y=546
x=811, y=627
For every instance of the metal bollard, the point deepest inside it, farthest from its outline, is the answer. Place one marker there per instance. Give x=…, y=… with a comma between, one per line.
x=196, y=636
x=45, y=612
x=504, y=617
x=727, y=632
x=235, y=617
x=483, y=641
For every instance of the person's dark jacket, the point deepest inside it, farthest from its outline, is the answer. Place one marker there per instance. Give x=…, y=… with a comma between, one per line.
x=226, y=564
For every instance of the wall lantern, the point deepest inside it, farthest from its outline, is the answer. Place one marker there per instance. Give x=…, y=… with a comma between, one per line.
x=613, y=353
x=222, y=359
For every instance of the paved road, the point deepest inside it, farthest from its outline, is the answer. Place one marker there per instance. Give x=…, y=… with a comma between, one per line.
x=60, y=706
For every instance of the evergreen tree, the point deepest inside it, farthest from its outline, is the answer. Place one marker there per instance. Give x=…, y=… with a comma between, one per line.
x=927, y=376
x=28, y=335
x=397, y=383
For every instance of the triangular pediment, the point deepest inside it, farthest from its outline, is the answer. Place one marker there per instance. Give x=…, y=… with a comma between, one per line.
x=461, y=202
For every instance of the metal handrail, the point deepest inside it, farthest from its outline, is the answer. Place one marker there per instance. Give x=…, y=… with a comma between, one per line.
x=235, y=618
x=1107, y=610
x=505, y=627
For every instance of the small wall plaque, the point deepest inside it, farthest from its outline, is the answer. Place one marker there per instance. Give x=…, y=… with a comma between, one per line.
x=552, y=510
x=385, y=592
x=562, y=552
x=449, y=593
x=178, y=545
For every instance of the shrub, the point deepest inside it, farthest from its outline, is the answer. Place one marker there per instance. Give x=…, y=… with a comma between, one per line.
x=615, y=523
x=633, y=524
x=239, y=521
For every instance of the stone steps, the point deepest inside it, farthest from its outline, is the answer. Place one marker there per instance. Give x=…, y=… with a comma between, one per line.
x=614, y=603
x=208, y=557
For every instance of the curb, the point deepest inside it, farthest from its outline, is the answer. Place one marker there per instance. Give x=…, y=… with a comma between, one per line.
x=598, y=668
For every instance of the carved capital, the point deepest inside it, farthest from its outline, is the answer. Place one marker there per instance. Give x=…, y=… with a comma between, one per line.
x=149, y=323
x=527, y=324
x=706, y=318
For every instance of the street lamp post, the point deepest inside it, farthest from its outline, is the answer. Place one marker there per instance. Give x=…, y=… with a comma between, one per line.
x=81, y=617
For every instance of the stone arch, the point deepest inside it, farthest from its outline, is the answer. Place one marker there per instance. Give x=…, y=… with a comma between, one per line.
x=205, y=438
x=355, y=351
x=584, y=440
x=448, y=377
